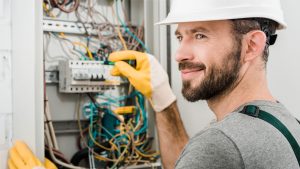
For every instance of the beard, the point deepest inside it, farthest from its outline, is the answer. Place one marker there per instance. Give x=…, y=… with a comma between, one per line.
x=219, y=79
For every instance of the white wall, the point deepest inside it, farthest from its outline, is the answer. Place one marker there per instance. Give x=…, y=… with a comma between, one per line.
x=5, y=81
x=283, y=69
x=27, y=74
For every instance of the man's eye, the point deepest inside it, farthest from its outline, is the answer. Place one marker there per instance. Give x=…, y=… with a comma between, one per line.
x=179, y=38
x=199, y=36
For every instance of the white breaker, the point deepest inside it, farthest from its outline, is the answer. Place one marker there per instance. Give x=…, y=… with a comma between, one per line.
x=86, y=76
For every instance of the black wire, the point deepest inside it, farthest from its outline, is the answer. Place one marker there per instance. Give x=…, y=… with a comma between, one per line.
x=84, y=154
x=94, y=101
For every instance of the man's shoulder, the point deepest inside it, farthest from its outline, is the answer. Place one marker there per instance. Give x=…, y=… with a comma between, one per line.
x=260, y=144
x=244, y=142
x=211, y=148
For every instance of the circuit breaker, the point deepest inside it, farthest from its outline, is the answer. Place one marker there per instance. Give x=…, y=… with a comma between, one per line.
x=86, y=76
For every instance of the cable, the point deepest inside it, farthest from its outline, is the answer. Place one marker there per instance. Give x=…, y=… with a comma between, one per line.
x=118, y=29
x=83, y=154
x=48, y=11
x=52, y=153
x=62, y=6
x=123, y=153
x=51, y=139
x=97, y=156
x=128, y=31
x=86, y=48
x=58, y=154
x=48, y=122
x=61, y=37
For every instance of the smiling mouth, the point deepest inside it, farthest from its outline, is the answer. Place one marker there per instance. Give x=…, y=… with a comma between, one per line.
x=185, y=71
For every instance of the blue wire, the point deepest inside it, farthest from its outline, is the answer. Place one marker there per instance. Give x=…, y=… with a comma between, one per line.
x=128, y=31
x=141, y=101
x=107, y=131
x=91, y=123
x=81, y=53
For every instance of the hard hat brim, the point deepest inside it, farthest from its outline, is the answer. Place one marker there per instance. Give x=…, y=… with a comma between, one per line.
x=225, y=14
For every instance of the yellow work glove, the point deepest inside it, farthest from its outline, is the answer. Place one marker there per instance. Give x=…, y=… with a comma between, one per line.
x=148, y=77
x=21, y=157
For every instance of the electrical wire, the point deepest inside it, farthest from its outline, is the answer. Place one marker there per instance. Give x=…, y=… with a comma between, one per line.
x=127, y=30
x=47, y=11
x=48, y=138
x=61, y=38
x=56, y=153
x=119, y=29
x=86, y=48
x=97, y=156
x=62, y=6
x=48, y=122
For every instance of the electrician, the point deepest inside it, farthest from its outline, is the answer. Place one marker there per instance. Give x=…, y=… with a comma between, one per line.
x=222, y=57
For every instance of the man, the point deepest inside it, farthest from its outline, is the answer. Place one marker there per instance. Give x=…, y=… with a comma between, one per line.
x=222, y=57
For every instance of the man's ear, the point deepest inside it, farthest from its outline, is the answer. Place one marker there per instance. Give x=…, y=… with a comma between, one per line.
x=255, y=42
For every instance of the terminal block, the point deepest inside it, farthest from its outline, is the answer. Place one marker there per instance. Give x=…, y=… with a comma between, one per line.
x=86, y=76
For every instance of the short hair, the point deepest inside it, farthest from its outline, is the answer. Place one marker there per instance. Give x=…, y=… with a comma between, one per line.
x=245, y=25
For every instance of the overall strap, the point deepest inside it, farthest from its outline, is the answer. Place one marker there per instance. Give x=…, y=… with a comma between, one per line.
x=254, y=111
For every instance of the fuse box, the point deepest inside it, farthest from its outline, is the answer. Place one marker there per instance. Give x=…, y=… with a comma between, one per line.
x=94, y=119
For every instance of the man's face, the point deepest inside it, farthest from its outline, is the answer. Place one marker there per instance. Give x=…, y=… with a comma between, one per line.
x=209, y=59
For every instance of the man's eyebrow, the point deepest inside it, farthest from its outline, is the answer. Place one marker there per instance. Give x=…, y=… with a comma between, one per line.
x=193, y=30
x=177, y=32
x=199, y=29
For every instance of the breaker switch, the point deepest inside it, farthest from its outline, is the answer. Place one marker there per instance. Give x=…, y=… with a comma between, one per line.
x=96, y=77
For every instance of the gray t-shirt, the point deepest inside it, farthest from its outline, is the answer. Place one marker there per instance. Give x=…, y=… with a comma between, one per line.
x=243, y=142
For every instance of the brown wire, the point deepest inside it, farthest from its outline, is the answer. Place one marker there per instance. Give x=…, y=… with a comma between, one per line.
x=58, y=154
x=62, y=6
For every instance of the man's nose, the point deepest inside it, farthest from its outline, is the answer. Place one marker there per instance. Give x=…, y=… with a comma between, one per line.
x=184, y=52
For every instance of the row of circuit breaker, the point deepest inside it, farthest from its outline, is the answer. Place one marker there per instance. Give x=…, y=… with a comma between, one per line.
x=86, y=76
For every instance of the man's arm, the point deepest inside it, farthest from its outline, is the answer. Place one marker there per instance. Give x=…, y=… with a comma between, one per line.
x=172, y=135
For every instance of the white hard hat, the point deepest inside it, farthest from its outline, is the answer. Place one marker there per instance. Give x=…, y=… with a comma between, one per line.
x=208, y=10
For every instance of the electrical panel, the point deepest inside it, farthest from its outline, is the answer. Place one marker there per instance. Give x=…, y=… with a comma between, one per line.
x=94, y=119
x=86, y=76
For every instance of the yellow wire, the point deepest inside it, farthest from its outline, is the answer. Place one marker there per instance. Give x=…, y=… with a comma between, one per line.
x=103, y=158
x=147, y=155
x=86, y=48
x=118, y=29
x=62, y=35
x=99, y=145
x=48, y=11
x=140, y=111
x=125, y=150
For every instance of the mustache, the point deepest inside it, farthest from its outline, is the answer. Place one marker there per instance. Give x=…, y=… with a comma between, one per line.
x=190, y=65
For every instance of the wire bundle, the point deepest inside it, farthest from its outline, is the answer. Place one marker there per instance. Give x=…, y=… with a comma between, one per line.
x=63, y=6
x=131, y=37
x=113, y=139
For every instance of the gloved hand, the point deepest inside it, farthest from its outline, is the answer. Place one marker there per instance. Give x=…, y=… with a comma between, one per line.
x=148, y=77
x=21, y=157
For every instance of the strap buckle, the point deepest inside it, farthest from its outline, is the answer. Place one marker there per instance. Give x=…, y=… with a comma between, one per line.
x=251, y=110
